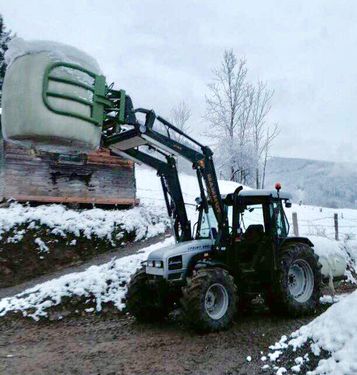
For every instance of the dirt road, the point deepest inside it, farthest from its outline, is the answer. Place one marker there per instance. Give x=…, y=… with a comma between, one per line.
x=116, y=345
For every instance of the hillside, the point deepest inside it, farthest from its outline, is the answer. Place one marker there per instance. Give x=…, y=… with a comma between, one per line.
x=319, y=183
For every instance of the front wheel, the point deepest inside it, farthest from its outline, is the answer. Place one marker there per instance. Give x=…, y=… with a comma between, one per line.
x=209, y=300
x=144, y=301
x=296, y=288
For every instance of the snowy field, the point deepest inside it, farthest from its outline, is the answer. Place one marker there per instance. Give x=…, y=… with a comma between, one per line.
x=318, y=221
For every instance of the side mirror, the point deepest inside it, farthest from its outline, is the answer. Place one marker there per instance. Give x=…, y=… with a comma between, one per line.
x=198, y=202
x=288, y=204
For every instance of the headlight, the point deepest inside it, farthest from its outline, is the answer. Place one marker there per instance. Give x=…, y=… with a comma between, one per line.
x=150, y=263
x=175, y=263
x=158, y=264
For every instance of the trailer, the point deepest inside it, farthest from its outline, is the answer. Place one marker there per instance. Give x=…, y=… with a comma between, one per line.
x=30, y=175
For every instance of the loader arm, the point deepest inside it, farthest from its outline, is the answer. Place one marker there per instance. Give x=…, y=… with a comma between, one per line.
x=142, y=134
x=167, y=171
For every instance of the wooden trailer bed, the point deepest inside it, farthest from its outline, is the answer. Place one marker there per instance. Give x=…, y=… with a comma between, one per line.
x=95, y=178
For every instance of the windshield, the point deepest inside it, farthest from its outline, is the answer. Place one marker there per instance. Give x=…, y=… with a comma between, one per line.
x=206, y=222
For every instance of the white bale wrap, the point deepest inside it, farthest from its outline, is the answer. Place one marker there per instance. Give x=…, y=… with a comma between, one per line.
x=25, y=117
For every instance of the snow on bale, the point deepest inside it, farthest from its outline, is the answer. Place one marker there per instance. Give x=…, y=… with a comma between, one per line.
x=91, y=290
x=36, y=240
x=327, y=345
x=332, y=256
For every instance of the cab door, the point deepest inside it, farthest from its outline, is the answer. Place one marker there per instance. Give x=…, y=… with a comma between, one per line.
x=251, y=237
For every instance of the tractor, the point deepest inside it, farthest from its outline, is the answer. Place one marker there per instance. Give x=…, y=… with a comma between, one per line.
x=212, y=284
x=239, y=248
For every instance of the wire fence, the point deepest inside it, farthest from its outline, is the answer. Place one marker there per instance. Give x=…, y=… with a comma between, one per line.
x=336, y=226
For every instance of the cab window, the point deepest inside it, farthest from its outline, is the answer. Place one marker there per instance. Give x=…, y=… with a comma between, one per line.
x=278, y=217
x=252, y=215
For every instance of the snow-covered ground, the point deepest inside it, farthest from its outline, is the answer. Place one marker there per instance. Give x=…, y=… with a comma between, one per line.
x=97, y=285
x=146, y=221
x=333, y=332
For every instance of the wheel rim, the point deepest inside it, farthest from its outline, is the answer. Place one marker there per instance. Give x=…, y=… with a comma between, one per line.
x=216, y=301
x=301, y=280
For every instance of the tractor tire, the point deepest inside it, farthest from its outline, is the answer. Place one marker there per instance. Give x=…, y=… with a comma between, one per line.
x=143, y=301
x=209, y=300
x=296, y=288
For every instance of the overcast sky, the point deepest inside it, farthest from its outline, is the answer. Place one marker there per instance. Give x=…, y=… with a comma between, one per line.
x=163, y=52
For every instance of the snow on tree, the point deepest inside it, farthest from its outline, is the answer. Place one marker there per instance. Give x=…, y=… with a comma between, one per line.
x=180, y=115
x=5, y=37
x=237, y=113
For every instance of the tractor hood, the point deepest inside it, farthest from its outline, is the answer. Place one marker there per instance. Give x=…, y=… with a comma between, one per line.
x=191, y=247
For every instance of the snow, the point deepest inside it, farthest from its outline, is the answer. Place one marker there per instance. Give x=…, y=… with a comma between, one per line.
x=319, y=221
x=315, y=222
x=146, y=221
x=333, y=331
x=58, y=51
x=41, y=245
x=102, y=284
x=332, y=255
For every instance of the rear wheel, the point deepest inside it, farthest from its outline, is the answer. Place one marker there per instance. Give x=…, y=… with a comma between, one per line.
x=144, y=301
x=296, y=288
x=209, y=300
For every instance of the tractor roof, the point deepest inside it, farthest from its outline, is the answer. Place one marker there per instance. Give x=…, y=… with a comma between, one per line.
x=256, y=194
x=264, y=193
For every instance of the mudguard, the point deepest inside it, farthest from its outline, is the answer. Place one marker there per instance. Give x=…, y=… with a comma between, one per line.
x=210, y=263
x=304, y=240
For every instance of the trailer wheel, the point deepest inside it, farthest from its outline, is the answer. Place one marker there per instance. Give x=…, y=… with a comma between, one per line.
x=144, y=301
x=296, y=288
x=209, y=300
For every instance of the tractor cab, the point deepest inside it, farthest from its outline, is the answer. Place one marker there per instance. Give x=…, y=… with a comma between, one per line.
x=257, y=212
x=258, y=226
x=252, y=214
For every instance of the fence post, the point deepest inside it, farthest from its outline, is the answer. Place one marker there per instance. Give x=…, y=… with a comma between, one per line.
x=335, y=219
x=295, y=225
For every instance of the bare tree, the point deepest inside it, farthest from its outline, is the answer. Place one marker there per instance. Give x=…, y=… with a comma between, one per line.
x=271, y=134
x=262, y=135
x=227, y=111
x=237, y=112
x=180, y=115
